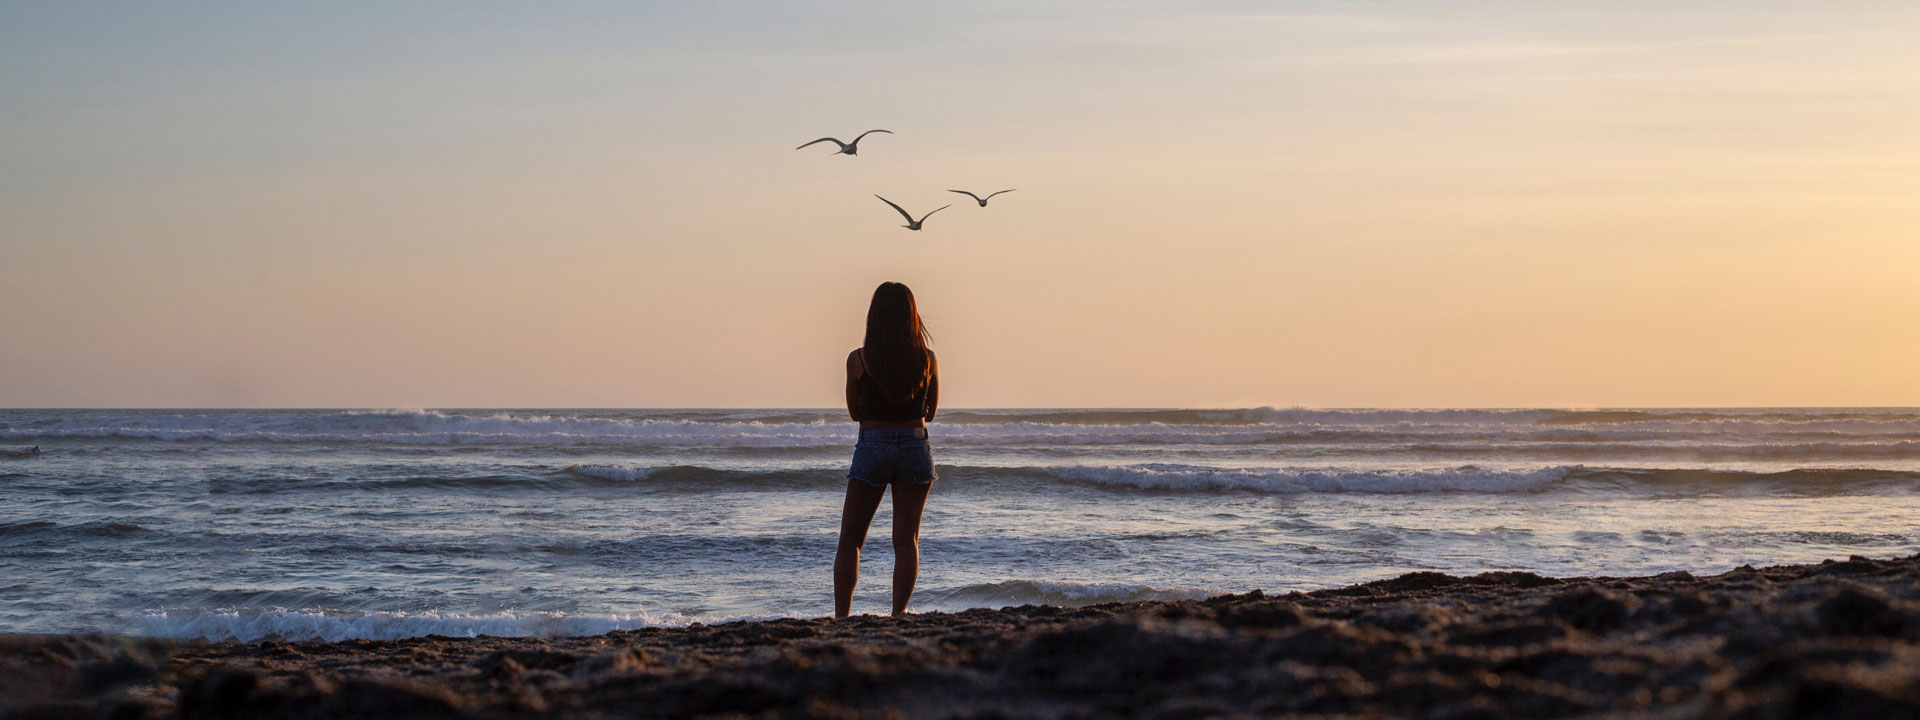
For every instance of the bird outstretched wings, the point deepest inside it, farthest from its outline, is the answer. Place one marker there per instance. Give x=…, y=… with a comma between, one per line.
x=981, y=200
x=896, y=208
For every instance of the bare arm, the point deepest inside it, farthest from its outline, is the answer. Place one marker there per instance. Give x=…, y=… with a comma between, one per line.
x=933, y=385
x=854, y=366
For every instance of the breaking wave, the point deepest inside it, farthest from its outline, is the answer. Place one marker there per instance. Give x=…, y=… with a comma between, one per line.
x=1316, y=480
x=274, y=623
x=1473, y=479
x=615, y=473
x=819, y=429
x=1158, y=477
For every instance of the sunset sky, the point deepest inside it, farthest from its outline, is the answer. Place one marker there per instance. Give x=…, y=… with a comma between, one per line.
x=1339, y=204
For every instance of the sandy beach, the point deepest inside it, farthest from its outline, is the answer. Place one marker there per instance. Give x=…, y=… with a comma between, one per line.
x=1835, y=639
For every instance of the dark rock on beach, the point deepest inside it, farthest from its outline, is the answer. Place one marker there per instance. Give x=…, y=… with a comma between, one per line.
x=1833, y=640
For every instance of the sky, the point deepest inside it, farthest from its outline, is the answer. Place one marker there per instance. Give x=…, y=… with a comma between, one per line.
x=1375, y=203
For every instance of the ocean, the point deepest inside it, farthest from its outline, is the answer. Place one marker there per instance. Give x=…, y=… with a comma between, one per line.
x=325, y=524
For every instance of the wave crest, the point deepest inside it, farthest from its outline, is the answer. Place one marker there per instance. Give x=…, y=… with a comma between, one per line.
x=1322, y=480
x=757, y=429
x=616, y=473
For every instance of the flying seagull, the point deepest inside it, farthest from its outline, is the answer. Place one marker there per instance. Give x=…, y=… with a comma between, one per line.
x=852, y=148
x=912, y=224
x=983, y=200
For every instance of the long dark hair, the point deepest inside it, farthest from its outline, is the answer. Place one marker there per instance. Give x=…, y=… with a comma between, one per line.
x=896, y=345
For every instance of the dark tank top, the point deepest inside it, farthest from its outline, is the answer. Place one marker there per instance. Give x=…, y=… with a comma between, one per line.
x=874, y=407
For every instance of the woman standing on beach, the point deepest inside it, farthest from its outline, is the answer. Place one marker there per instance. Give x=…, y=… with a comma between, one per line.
x=893, y=387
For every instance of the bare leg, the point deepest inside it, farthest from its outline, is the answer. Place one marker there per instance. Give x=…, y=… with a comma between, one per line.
x=908, y=501
x=855, y=516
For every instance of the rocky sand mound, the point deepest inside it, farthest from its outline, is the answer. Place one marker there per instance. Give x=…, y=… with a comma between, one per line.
x=1838, y=639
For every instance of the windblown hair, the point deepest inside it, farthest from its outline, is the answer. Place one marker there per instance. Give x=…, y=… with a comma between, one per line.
x=896, y=345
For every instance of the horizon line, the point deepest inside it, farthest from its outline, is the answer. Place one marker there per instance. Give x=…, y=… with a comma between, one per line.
x=984, y=407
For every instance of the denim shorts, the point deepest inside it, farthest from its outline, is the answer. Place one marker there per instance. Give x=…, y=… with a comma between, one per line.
x=892, y=456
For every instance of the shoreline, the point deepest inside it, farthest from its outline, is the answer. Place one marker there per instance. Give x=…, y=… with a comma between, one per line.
x=1838, y=638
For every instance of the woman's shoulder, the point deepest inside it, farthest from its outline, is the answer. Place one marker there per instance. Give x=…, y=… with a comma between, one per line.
x=856, y=361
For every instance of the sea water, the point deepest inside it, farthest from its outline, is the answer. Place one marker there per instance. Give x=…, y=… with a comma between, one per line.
x=326, y=524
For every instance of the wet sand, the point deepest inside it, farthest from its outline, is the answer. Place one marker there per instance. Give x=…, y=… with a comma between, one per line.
x=1837, y=639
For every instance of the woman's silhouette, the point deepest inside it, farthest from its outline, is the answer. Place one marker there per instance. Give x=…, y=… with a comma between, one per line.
x=893, y=387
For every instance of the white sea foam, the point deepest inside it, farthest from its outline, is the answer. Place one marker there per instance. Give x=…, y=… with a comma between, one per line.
x=432, y=427
x=249, y=625
x=255, y=624
x=1102, y=427
x=1688, y=451
x=302, y=516
x=1306, y=480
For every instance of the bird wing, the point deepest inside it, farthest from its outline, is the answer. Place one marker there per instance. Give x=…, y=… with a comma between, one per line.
x=856, y=141
x=1003, y=191
x=821, y=140
x=923, y=218
x=968, y=194
x=896, y=208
